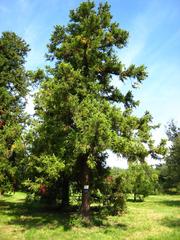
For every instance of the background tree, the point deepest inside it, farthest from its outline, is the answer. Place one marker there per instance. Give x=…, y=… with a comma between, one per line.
x=142, y=180
x=13, y=89
x=82, y=112
x=170, y=170
x=172, y=131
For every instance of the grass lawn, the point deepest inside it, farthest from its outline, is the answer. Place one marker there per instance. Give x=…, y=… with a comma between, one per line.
x=158, y=218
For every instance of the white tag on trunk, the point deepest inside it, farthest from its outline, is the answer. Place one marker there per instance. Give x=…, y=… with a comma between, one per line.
x=86, y=187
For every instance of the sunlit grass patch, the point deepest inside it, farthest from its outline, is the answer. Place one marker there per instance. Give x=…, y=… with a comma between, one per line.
x=157, y=218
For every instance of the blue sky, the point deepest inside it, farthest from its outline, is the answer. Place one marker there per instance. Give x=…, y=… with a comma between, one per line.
x=154, y=28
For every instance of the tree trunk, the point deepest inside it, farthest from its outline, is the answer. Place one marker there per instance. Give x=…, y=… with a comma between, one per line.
x=1, y=193
x=65, y=193
x=85, y=207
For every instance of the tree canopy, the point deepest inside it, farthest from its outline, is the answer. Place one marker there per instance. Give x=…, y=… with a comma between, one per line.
x=13, y=89
x=79, y=112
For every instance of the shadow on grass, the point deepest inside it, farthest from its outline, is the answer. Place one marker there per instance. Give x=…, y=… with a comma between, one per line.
x=29, y=216
x=36, y=216
x=171, y=203
x=137, y=200
x=171, y=222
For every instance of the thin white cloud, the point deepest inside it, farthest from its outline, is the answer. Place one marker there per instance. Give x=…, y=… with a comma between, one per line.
x=141, y=29
x=35, y=57
x=156, y=53
x=159, y=93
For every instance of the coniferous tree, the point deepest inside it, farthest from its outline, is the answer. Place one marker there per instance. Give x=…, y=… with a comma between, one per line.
x=171, y=174
x=81, y=113
x=13, y=89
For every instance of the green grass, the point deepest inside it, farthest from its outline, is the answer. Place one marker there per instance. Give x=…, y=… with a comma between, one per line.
x=158, y=218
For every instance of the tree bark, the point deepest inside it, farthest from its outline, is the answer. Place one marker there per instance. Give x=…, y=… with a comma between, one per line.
x=1, y=193
x=85, y=207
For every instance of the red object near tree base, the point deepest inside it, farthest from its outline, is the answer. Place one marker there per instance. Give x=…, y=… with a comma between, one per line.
x=43, y=189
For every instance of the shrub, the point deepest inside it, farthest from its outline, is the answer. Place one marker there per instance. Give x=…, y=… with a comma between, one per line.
x=114, y=195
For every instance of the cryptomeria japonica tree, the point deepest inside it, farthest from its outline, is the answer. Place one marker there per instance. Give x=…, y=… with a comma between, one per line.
x=78, y=106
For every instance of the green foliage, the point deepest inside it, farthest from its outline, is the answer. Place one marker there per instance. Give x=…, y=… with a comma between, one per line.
x=47, y=169
x=142, y=180
x=86, y=61
x=114, y=194
x=109, y=190
x=14, y=82
x=170, y=170
x=173, y=163
x=42, y=177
